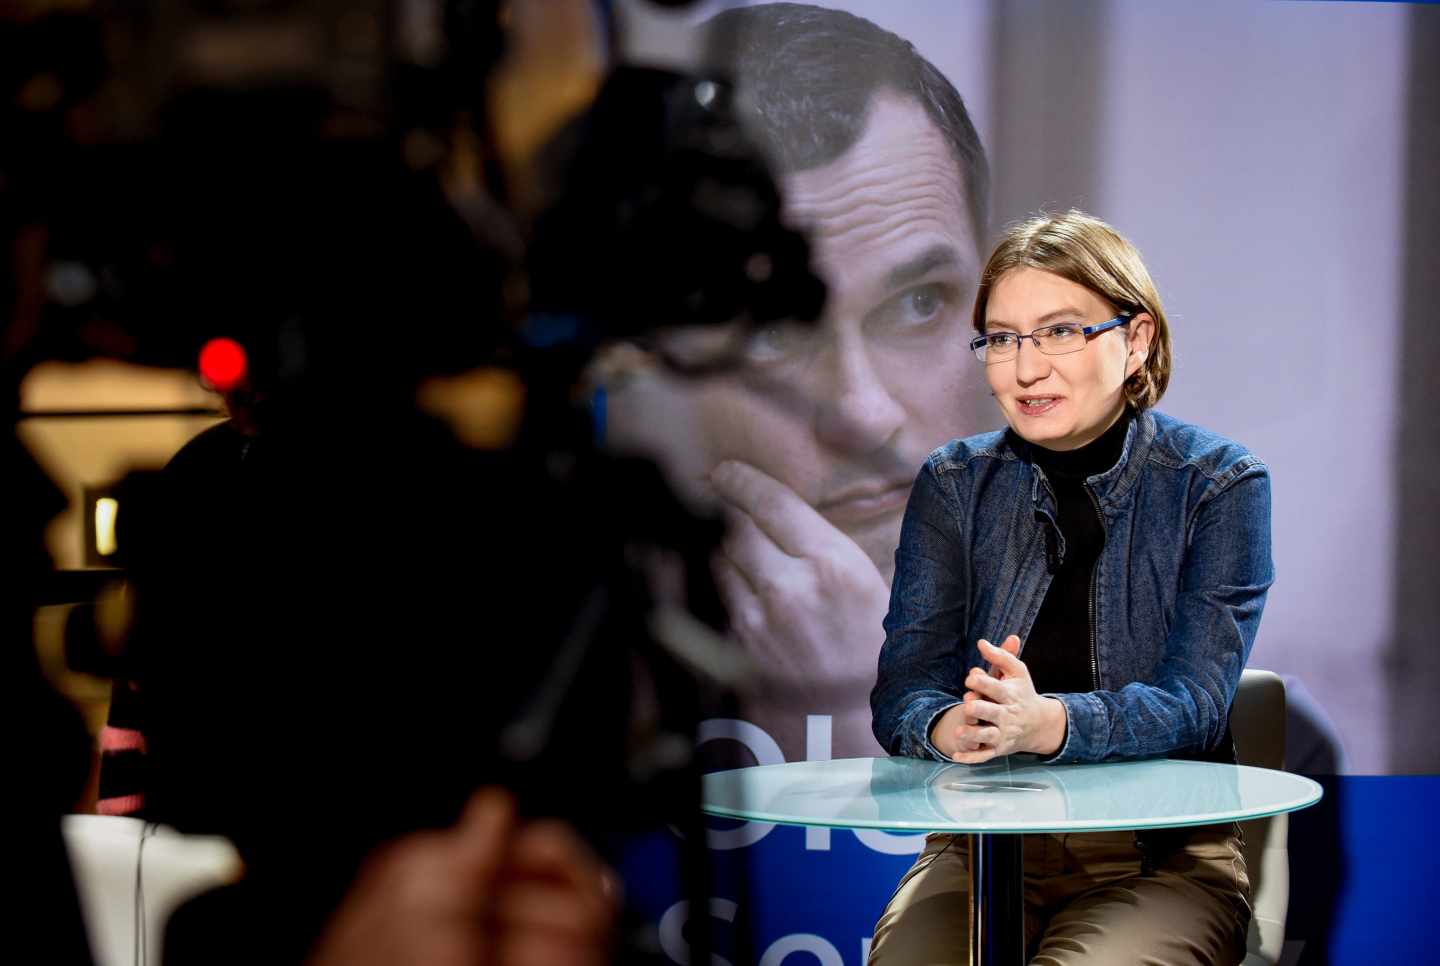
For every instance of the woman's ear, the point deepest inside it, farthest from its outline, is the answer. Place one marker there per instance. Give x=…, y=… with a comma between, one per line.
x=1141, y=328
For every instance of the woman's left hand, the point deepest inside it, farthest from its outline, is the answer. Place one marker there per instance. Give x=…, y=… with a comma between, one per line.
x=1002, y=713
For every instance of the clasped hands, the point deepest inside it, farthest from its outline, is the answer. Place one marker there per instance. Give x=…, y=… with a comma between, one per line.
x=1000, y=713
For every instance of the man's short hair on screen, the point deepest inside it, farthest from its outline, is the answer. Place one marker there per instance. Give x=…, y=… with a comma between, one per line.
x=806, y=77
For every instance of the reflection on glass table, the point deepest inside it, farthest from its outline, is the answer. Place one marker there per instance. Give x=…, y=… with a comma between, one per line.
x=1014, y=795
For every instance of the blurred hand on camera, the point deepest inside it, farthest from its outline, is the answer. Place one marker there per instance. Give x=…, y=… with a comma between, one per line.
x=489, y=891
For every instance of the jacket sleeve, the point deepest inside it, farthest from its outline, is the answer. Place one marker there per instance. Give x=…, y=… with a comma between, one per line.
x=920, y=659
x=1226, y=573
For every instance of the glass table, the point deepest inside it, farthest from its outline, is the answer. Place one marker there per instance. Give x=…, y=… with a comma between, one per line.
x=990, y=803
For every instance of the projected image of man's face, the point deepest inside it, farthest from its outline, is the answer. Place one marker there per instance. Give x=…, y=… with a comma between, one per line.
x=813, y=445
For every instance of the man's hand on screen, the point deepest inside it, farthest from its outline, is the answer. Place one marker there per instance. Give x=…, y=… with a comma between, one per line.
x=804, y=600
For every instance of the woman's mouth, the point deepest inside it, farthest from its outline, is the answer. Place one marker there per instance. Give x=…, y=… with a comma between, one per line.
x=1036, y=405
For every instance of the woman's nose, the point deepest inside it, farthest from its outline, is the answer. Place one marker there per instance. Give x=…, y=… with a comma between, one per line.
x=1031, y=365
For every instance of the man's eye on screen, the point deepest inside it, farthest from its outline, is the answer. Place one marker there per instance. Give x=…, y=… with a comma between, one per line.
x=779, y=341
x=914, y=308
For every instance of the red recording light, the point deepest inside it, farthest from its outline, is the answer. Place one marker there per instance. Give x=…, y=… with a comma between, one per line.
x=223, y=365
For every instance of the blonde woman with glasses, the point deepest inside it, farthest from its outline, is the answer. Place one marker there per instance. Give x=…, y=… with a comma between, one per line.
x=1084, y=586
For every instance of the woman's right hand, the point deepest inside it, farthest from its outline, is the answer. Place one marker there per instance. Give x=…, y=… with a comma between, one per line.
x=945, y=736
x=1000, y=713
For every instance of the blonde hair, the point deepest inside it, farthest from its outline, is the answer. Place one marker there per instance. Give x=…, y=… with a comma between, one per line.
x=1088, y=252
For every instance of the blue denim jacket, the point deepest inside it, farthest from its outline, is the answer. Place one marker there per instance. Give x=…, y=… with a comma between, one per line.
x=1176, y=597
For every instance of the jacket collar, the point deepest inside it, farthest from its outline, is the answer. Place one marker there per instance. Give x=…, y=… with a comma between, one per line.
x=1111, y=486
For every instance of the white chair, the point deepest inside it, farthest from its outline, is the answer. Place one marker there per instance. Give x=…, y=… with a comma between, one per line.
x=130, y=876
x=1257, y=722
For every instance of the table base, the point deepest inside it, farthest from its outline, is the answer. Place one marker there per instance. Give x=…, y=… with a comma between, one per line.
x=997, y=899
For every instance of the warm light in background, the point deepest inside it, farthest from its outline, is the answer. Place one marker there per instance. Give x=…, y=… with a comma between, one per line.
x=105, y=510
x=128, y=430
x=223, y=364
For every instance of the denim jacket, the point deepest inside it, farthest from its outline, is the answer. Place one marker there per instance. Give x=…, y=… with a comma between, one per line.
x=1175, y=600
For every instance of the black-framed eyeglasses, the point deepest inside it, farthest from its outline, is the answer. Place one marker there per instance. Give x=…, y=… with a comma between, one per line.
x=1053, y=340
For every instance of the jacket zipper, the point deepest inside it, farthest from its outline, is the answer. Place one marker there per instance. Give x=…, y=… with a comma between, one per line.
x=1094, y=568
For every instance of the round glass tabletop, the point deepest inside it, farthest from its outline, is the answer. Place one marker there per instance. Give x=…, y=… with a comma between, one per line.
x=1011, y=795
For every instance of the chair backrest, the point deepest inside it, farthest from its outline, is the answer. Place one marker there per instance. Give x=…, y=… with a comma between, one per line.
x=131, y=875
x=1257, y=722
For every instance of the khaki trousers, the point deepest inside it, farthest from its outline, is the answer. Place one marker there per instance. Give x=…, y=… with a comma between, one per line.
x=1181, y=897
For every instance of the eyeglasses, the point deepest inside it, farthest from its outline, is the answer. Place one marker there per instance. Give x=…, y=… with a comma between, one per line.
x=1053, y=340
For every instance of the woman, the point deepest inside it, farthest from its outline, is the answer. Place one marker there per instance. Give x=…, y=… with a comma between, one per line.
x=1123, y=557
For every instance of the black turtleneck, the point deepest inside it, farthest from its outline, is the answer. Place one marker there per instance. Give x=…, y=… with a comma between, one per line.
x=1058, y=651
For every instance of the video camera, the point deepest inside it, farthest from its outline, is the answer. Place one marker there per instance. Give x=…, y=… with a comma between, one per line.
x=347, y=620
